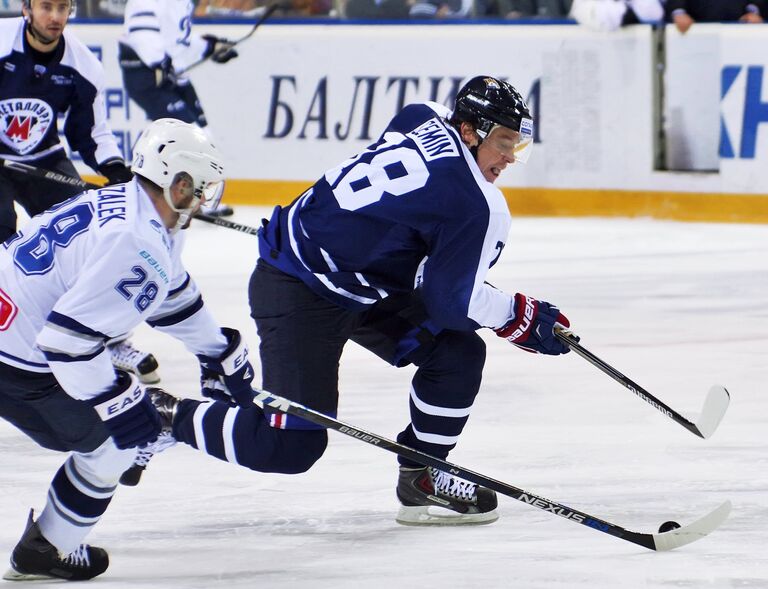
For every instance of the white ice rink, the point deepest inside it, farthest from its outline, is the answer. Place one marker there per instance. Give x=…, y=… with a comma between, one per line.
x=676, y=307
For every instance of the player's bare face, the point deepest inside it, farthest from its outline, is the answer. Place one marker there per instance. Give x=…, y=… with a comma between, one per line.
x=496, y=152
x=47, y=19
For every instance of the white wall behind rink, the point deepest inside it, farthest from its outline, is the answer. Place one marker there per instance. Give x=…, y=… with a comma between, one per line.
x=301, y=98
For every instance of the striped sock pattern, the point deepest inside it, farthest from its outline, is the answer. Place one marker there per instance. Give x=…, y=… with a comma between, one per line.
x=74, y=505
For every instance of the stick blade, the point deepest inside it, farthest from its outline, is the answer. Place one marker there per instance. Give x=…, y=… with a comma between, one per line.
x=715, y=406
x=695, y=531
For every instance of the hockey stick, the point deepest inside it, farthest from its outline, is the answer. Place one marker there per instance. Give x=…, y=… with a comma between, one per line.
x=711, y=415
x=658, y=541
x=46, y=174
x=264, y=16
x=226, y=223
x=73, y=181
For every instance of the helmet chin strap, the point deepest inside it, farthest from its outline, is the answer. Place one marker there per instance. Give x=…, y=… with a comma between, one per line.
x=184, y=214
x=35, y=34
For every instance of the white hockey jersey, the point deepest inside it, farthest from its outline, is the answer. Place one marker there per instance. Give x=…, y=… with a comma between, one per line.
x=89, y=269
x=156, y=28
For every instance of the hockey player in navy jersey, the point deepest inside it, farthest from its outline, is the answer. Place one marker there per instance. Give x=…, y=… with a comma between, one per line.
x=157, y=45
x=389, y=249
x=93, y=267
x=45, y=72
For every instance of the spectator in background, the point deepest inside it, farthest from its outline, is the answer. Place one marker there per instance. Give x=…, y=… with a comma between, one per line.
x=609, y=15
x=439, y=9
x=382, y=9
x=683, y=13
x=534, y=8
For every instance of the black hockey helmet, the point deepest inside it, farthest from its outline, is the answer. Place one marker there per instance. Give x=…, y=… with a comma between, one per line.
x=485, y=102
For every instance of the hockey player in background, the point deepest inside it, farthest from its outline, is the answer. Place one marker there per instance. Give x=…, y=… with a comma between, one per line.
x=45, y=72
x=87, y=270
x=389, y=249
x=157, y=45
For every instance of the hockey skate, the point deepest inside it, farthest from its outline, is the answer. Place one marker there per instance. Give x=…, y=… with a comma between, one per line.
x=166, y=406
x=128, y=358
x=433, y=497
x=35, y=558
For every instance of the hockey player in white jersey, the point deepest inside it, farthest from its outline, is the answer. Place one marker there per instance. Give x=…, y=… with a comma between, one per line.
x=90, y=269
x=157, y=45
x=391, y=250
x=47, y=72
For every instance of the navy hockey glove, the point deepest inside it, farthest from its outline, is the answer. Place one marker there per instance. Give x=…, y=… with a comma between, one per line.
x=127, y=412
x=164, y=73
x=228, y=378
x=115, y=172
x=532, y=326
x=219, y=49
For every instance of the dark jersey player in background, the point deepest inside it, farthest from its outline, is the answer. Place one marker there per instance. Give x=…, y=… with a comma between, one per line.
x=46, y=72
x=389, y=249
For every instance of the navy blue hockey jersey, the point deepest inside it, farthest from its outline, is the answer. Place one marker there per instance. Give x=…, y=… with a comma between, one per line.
x=411, y=211
x=32, y=96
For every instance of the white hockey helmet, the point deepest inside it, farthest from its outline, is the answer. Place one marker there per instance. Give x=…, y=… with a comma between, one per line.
x=169, y=150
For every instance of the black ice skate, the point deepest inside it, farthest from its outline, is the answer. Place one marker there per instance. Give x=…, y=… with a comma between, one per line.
x=128, y=358
x=433, y=497
x=166, y=405
x=35, y=558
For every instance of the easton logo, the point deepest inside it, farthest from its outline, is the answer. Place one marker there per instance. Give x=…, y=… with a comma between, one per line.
x=24, y=123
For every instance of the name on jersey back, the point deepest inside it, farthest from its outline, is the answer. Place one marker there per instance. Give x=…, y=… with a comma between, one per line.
x=434, y=140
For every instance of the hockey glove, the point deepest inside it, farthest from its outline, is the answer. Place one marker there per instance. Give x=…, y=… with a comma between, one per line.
x=228, y=378
x=532, y=326
x=116, y=172
x=164, y=73
x=127, y=412
x=220, y=50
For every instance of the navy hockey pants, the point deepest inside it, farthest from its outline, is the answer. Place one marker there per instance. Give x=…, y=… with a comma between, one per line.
x=35, y=195
x=36, y=404
x=302, y=337
x=175, y=101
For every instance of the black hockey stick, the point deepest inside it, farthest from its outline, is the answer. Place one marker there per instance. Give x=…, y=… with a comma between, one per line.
x=73, y=181
x=264, y=16
x=711, y=415
x=51, y=175
x=653, y=541
x=226, y=223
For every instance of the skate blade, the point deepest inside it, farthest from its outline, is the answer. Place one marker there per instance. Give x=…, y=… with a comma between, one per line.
x=14, y=575
x=438, y=516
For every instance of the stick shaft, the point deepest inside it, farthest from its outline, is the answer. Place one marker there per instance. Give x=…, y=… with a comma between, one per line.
x=654, y=402
x=44, y=174
x=286, y=406
x=265, y=15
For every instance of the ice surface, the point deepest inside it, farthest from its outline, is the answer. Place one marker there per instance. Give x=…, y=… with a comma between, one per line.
x=676, y=307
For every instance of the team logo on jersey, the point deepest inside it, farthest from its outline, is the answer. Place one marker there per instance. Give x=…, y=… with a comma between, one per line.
x=24, y=122
x=8, y=310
